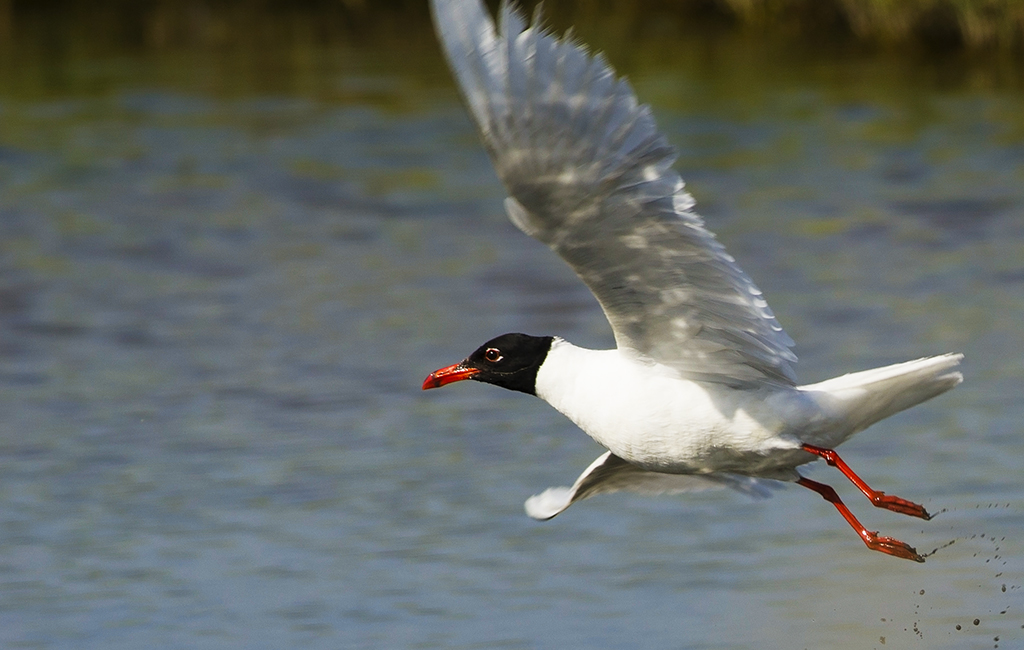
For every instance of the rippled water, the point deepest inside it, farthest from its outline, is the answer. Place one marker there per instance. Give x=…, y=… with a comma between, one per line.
x=217, y=305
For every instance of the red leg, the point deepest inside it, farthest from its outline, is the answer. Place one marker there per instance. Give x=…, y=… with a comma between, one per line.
x=879, y=499
x=874, y=542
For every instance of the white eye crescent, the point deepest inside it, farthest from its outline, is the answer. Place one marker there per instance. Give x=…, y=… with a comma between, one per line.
x=493, y=355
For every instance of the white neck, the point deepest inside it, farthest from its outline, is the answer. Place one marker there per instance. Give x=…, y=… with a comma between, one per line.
x=584, y=384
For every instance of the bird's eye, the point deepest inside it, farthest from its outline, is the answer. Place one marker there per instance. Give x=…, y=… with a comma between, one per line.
x=493, y=355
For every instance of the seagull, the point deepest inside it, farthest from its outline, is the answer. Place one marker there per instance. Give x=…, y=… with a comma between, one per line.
x=700, y=389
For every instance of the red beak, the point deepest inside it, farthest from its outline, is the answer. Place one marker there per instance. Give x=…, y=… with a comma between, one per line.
x=453, y=373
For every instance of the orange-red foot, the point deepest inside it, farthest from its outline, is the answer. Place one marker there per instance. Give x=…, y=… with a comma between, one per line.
x=886, y=545
x=879, y=499
x=891, y=546
x=897, y=504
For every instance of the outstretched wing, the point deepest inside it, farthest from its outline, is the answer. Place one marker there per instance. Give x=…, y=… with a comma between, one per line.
x=609, y=473
x=589, y=175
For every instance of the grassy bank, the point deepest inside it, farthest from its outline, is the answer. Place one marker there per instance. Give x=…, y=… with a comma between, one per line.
x=943, y=24
x=935, y=25
x=932, y=25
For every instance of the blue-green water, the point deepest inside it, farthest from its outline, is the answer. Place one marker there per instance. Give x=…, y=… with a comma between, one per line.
x=218, y=299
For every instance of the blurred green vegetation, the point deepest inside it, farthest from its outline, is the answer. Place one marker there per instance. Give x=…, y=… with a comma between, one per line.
x=935, y=24
x=40, y=39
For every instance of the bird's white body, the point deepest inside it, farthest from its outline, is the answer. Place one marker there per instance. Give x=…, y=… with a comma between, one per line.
x=650, y=416
x=647, y=414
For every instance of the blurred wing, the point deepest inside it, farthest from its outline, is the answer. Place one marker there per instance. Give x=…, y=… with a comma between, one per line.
x=609, y=473
x=590, y=176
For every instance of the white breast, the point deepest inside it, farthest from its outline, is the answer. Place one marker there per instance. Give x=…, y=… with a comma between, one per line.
x=646, y=414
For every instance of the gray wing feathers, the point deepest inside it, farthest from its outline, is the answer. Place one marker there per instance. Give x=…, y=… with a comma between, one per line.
x=609, y=473
x=589, y=175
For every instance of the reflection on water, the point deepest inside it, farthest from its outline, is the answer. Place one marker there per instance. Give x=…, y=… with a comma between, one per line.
x=219, y=296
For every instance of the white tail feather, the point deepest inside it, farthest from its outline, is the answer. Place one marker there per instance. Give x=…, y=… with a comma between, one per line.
x=862, y=398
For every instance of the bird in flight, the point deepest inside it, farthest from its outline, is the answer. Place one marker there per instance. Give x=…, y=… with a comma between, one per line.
x=700, y=389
